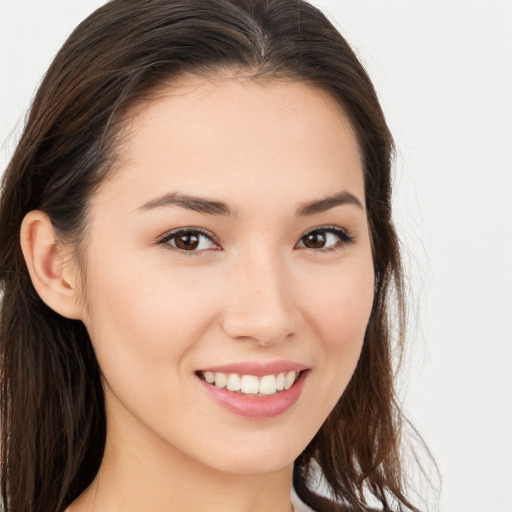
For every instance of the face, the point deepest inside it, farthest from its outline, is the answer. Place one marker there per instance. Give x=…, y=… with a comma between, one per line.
x=231, y=245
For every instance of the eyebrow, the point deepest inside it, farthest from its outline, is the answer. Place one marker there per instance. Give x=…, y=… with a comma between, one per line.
x=211, y=207
x=198, y=204
x=322, y=205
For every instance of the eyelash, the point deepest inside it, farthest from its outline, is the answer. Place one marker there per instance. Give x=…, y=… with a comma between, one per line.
x=344, y=237
x=188, y=231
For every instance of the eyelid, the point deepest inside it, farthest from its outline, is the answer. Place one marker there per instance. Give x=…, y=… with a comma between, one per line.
x=166, y=237
x=344, y=235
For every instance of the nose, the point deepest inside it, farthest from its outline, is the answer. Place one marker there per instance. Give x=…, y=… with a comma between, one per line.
x=259, y=304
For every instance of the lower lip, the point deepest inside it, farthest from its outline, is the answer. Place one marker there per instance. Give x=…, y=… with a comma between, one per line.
x=257, y=407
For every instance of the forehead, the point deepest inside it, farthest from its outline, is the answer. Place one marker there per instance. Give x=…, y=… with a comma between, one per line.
x=230, y=137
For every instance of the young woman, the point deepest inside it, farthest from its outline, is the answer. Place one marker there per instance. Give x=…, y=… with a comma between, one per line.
x=198, y=263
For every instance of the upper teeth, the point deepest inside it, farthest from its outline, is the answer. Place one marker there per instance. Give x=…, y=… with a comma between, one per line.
x=250, y=384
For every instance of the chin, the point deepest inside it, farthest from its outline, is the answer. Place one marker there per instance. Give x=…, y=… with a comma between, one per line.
x=260, y=457
x=265, y=463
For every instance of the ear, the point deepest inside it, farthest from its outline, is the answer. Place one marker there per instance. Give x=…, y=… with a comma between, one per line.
x=49, y=269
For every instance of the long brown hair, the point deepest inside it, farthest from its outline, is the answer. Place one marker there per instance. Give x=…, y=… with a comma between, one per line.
x=52, y=410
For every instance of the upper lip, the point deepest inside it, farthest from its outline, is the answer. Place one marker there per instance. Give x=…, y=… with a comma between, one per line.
x=258, y=369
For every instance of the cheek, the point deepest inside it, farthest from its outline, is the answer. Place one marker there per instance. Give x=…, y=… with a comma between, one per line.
x=340, y=315
x=342, y=302
x=336, y=308
x=143, y=325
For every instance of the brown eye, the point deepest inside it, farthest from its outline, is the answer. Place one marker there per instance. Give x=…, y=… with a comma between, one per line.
x=189, y=240
x=314, y=240
x=328, y=238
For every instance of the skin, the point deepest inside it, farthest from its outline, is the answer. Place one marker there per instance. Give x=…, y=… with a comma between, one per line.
x=156, y=314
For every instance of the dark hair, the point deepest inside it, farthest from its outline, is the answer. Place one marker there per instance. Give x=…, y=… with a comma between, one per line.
x=52, y=411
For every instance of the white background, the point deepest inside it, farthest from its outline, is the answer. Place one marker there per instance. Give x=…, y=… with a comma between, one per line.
x=443, y=71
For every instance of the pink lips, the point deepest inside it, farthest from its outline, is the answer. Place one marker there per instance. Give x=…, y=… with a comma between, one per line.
x=257, y=406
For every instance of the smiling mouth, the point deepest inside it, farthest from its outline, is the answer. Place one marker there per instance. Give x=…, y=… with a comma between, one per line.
x=253, y=385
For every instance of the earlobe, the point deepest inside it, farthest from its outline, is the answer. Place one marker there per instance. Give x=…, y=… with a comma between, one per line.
x=47, y=265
